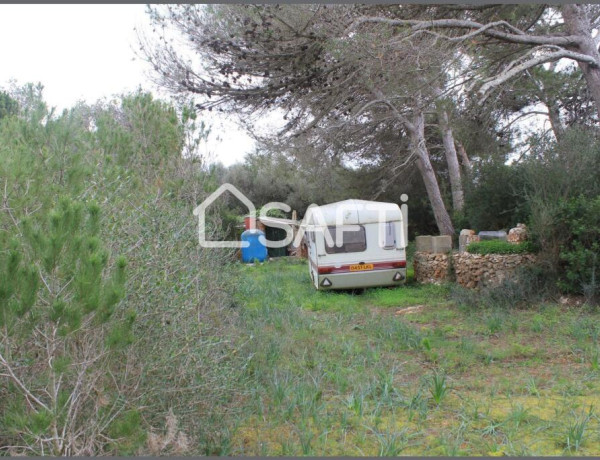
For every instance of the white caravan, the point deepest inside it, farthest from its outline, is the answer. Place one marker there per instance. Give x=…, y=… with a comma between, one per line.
x=355, y=244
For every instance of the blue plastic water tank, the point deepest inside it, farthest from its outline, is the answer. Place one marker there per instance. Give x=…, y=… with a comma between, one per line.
x=256, y=250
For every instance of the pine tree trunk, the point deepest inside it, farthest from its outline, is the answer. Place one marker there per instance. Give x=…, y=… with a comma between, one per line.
x=554, y=117
x=464, y=158
x=458, y=199
x=577, y=22
x=417, y=139
x=551, y=103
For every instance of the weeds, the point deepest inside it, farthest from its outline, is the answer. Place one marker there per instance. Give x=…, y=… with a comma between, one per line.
x=451, y=443
x=594, y=357
x=527, y=286
x=306, y=437
x=576, y=431
x=416, y=403
x=391, y=443
x=491, y=428
x=494, y=323
x=532, y=387
x=384, y=389
x=518, y=415
x=401, y=334
x=437, y=387
x=356, y=402
x=467, y=347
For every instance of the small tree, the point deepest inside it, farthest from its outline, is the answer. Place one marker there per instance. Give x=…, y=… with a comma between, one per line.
x=57, y=297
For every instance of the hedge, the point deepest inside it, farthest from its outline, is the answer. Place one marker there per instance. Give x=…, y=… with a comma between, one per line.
x=499, y=247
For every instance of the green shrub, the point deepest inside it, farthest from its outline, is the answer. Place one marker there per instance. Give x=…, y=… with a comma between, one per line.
x=500, y=247
x=563, y=191
x=579, y=220
x=108, y=359
x=554, y=189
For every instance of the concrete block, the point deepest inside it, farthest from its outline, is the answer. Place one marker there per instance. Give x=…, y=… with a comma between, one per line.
x=424, y=243
x=462, y=242
x=466, y=236
x=492, y=235
x=441, y=244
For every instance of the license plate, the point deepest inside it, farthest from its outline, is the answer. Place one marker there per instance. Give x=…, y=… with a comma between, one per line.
x=361, y=267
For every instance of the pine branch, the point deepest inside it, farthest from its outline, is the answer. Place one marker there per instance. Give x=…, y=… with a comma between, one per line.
x=492, y=30
x=29, y=396
x=514, y=70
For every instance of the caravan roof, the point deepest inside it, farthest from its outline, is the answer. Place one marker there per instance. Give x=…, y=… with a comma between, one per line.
x=353, y=212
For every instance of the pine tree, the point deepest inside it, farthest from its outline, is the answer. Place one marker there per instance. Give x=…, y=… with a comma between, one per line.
x=58, y=292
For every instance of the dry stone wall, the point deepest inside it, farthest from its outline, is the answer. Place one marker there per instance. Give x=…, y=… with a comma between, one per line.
x=468, y=270
x=431, y=268
x=477, y=270
x=434, y=261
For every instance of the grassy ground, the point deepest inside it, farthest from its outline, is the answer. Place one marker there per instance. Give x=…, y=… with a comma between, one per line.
x=332, y=373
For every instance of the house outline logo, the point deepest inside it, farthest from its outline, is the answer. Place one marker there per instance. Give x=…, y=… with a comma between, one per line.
x=200, y=211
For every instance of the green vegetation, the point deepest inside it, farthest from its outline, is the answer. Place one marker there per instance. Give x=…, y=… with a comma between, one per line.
x=8, y=106
x=57, y=292
x=555, y=191
x=579, y=219
x=499, y=247
x=363, y=373
x=495, y=200
x=111, y=316
x=120, y=335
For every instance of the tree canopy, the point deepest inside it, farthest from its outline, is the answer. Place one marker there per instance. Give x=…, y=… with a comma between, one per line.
x=362, y=80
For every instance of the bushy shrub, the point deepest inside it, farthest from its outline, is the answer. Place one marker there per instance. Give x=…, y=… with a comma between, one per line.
x=555, y=190
x=107, y=379
x=579, y=218
x=563, y=192
x=500, y=247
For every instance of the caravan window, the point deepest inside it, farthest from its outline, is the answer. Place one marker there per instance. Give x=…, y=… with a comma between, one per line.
x=389, y=236
x=352, y=241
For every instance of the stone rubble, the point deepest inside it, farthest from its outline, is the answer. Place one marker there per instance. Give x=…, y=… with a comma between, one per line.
x=518, y=234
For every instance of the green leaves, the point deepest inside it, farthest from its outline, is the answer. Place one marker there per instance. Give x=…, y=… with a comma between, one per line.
x=61, y=251
x=29, y=282
x=500, y=247
x=580, y=253
x=8, y=105
x=60, y=364
x=18, y=284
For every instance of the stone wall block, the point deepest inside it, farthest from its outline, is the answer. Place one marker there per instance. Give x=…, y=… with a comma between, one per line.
x=469, y=270
x=424, y=243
